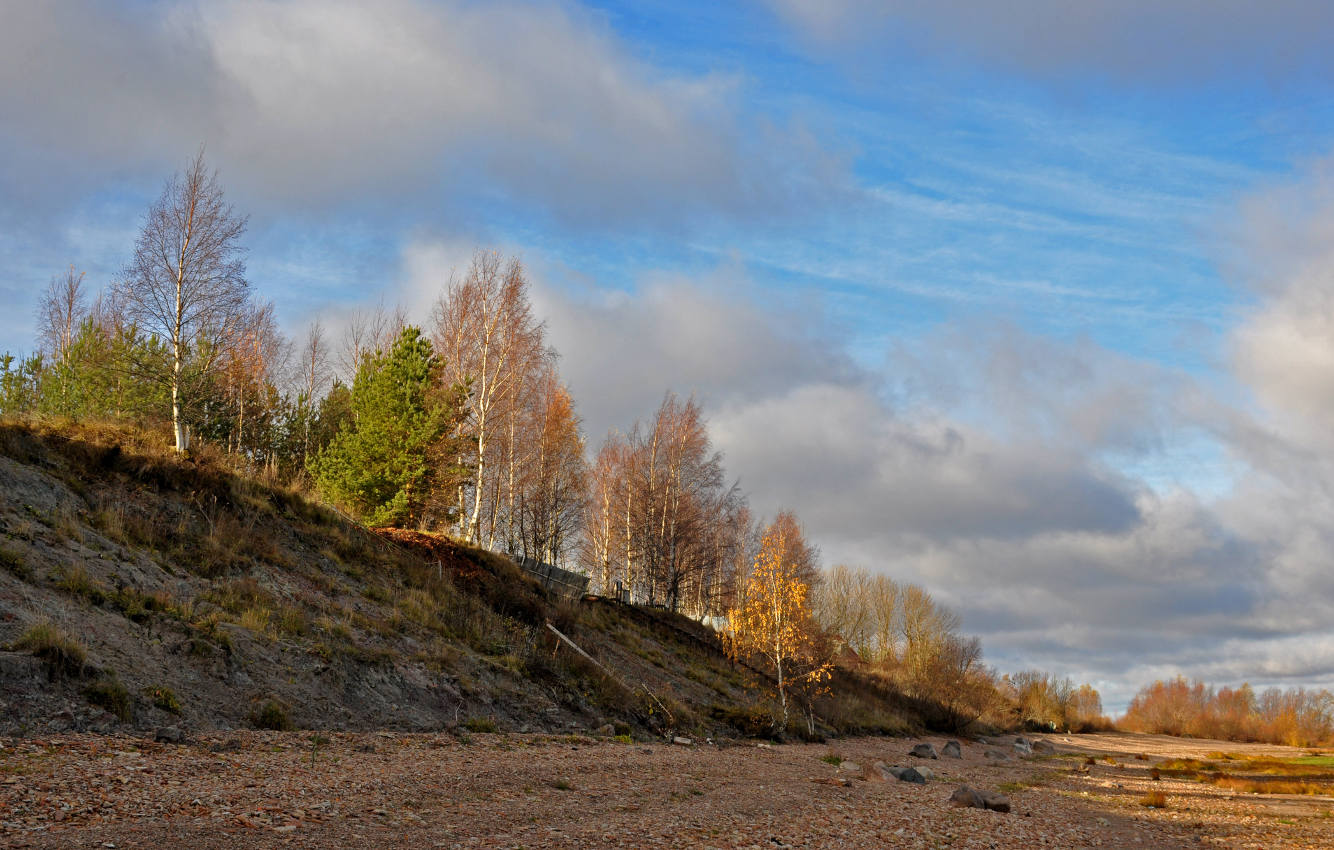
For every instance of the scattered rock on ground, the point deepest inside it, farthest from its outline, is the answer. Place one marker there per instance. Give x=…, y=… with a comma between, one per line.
x=850, y=766
x=1023, y=748
x=966, y=796
x=952, y=750
x=685, y=742
x=998, y=755
x=924, y=751
x=169, y=735
x=1045, y=748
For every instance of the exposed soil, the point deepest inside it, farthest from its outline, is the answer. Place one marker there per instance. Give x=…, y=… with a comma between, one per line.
x=394, y=789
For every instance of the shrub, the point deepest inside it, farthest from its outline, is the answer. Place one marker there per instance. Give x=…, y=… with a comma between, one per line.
x=12, y=562
x=110, y=694
x=479, y=724
x=270, y=714
x=77, y=582
x=63, y=654
x=1154, y=800
x=165, y=698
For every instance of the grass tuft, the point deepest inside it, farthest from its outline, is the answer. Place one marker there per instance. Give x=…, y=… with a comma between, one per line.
x=64, y=656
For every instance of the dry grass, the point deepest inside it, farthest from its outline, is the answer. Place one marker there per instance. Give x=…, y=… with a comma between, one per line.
x=64, y=656
x=1153, y=800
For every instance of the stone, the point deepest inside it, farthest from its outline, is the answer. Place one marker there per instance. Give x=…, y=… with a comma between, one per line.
x=685, y=742
x=966, y=796
x=1044, y=748
x=874, y=773
x=952, y=750
x=926, y=773
x=996, y=802
x=923, y=751
x=850, y=766
x=1023, y=748
x=998, y=755
x=169, y=735
x=910, y=774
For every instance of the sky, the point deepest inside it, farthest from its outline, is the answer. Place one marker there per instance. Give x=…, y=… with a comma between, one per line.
x=1029, y=302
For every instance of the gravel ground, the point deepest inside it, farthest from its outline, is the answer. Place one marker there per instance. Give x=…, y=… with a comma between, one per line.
x=359, y=790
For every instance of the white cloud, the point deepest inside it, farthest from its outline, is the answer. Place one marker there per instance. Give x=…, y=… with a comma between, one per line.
x=444, y=103
x=1159, y=42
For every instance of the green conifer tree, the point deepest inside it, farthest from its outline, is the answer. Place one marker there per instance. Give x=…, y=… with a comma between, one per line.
x=384, y=464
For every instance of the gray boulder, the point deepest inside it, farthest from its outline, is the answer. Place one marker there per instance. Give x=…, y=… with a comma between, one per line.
x=952, y=750
x=911, y=774
x=1023, y=748
x=1044, y=748
x=923, y=751
x=968, y=797
x=998, y=755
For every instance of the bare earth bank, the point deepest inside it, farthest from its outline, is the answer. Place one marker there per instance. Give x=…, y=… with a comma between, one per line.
x=357, y=790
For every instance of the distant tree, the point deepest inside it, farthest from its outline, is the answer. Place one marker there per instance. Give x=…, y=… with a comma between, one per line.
x=484, y=328
x=385, y=461
x=553, y=484
x=773, y=619
x=186, y=282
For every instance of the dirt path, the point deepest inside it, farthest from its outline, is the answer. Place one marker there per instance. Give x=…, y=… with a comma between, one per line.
x=269, y=790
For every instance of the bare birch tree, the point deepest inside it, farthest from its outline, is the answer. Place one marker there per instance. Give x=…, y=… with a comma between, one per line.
x=487, y=337
x=59, y=312
x=186, y=283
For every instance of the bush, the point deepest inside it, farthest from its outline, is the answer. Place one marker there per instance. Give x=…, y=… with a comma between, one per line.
x=479, y=724
x=165, y=698
x=12, y=562
x=63, y=654
x=271, y=714
x=110, y=694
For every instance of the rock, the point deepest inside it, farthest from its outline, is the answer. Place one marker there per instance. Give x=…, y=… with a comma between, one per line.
x=970, y=798
x=850, y=766
x=925, y=772
x=875, y=773
x=685, y=742
x=606, y=730
x=169, y=735
x=1020, y=739
x=1044, y=748
x=996, y=802
x=965, y=797
x=952, y=750
x=1023, y=748
x=911, y=774
x=923, y=751
x=998, y=755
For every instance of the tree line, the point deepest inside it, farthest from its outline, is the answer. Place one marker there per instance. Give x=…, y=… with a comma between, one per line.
x=1297, y=717
x=462, y=424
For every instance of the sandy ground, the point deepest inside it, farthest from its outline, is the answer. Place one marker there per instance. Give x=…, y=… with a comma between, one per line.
x=365, y=790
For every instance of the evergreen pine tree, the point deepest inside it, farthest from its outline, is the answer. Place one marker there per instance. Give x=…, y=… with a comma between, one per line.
x=383, y=464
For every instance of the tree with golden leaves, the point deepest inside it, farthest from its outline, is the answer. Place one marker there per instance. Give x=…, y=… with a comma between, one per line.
x=772, y=619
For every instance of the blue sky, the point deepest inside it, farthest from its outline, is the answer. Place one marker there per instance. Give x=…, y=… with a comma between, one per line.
x=1023, y=301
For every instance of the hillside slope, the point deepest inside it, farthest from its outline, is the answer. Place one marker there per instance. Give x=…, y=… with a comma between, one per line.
x=139, y=590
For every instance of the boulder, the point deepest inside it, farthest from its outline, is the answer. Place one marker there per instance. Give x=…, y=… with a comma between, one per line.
x=850, y=766
x=952, y=750
x=923, y=751
x=685, y=742
x=927, y=773
x=911, y=774
x=998, y=755
x=874, y=773
x=1023, y=748
x=968, y=797
x=1044, y=748
x=996, y=802
x=169, y=735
